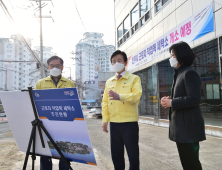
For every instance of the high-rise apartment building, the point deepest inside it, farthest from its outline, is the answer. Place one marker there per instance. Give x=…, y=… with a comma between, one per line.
x=14, y=75
x=17, y=63
x=95, y=56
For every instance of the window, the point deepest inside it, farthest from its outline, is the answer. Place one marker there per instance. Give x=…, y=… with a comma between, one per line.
x=159, y=4
x=144, y=11
x=126, y=24
x=212, y=91
x=120, y=31
x=220, y=43
x=120, y=43
x=144, y=6
x=135, y=15
x=126, y=36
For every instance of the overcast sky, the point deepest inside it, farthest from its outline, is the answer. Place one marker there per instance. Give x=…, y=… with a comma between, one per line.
x=65, y=33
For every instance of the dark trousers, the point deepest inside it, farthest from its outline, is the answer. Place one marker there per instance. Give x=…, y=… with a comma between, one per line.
x=189, y=155
x=46, y=164
x=125, y=134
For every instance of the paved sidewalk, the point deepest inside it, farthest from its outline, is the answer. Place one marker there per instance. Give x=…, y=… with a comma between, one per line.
x=157, y=152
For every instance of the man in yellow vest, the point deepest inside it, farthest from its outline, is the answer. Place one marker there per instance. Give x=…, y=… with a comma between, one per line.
x=120, y=107
x=55, y=80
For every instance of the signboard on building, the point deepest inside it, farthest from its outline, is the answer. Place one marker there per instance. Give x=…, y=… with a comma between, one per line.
x=191, y=29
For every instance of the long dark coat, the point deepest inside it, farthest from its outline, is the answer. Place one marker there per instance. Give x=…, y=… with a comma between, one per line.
x=186, y=120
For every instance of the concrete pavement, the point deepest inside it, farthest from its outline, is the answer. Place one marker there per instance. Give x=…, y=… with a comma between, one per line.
x=157, y=152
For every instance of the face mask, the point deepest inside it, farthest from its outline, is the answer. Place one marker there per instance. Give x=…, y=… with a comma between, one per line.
x=173, y=62
x=55, y=72
x=118, y=67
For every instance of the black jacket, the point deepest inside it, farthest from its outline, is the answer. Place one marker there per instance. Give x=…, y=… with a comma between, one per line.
x=186, y=120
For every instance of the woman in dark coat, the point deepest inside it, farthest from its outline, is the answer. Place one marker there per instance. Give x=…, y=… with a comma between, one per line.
x=186, y=121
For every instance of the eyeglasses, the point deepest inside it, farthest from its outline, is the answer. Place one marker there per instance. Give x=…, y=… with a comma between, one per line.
x=55, y=66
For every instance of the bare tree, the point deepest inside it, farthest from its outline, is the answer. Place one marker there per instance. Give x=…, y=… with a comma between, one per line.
x=79, y=85
x=99, y=95
x=36, y=73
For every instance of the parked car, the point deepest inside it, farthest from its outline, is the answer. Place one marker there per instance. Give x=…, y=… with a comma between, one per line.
x=2, y=113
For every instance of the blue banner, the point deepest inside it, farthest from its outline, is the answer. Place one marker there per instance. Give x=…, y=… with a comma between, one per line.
x=58, y=104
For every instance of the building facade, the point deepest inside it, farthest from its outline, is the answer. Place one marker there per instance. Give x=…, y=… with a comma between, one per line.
x=140, y=23
x=93, y=56
x=18, y=68
x=14, y=75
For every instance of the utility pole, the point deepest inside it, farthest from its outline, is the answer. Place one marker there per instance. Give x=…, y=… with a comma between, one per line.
x=41, y=38
x=6, y=84
x=41, y=41
x=6, y=74
x=81, y=83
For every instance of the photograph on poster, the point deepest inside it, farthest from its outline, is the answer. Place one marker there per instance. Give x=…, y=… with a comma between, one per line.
x=73, y=140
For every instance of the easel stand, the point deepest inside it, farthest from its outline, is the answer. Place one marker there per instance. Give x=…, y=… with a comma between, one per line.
x=38, y=123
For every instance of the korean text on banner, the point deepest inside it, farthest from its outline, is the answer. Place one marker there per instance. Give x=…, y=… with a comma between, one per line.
x=191, y=29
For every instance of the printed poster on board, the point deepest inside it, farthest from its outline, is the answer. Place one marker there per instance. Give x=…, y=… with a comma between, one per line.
x=62, y=116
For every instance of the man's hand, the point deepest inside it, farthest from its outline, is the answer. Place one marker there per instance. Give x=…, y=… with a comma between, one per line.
x=166, y=102
x=105, y=125
x=114, y=95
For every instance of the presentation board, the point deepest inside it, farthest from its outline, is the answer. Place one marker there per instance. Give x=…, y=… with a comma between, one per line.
x=19, y=112
x=61, y=114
